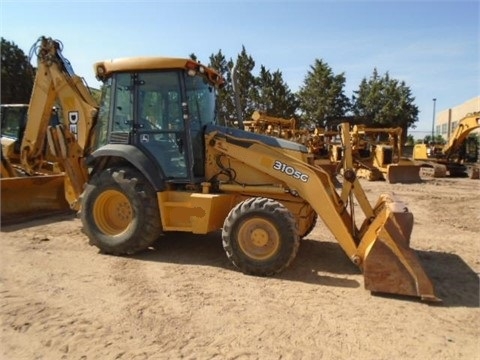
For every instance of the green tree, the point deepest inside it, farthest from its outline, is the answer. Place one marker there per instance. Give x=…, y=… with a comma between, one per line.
x=266, y=92
x=247, y=89
x=273, y=95
x=437, y=139
x=17, y=74
x=386, y=102
x=226, y=103
x=322, y=100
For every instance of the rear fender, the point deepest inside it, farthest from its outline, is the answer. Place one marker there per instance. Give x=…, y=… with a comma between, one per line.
x=106, y=155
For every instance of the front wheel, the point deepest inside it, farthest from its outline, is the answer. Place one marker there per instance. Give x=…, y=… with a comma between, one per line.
x=119, y=211
x=260, y=236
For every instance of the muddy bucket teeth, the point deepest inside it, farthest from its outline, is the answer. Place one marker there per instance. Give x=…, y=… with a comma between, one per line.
x=389, y=264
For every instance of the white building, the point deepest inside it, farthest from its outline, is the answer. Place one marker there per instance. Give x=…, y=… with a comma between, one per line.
x=447, y=120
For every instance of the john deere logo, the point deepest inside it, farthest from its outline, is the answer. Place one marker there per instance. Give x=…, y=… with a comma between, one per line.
x=73, y=122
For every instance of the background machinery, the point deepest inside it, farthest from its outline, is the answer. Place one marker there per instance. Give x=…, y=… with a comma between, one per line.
x=27, y=194
x=458, y=157
x=377, y=153
x=151, y=160
x=14, y=123
x=14, y=118
x=318, y=142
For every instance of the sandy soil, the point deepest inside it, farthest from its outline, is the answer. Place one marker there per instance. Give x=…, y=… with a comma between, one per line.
x=61, y=299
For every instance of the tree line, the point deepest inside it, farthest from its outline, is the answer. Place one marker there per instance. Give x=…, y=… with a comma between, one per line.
x=379, y=101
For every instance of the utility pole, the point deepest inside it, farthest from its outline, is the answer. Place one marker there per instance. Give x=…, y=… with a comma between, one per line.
x=433, y=120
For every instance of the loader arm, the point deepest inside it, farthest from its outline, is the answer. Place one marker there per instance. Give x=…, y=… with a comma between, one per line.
x=71, y=140
x=299, y=178
x=383, y=233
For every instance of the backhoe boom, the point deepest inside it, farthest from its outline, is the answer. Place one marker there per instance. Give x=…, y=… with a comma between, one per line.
x=69, y=141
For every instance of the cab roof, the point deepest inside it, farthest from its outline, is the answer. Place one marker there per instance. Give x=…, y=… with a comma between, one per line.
x=104, y=69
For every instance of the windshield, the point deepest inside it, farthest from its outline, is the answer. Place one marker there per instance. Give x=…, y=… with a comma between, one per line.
x=201, y=101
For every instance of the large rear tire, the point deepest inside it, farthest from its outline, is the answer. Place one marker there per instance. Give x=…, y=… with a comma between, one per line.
x=119, y=211
x=260, y=237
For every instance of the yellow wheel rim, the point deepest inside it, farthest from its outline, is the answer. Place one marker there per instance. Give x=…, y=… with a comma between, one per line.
x=258, y=239
x=112, y=212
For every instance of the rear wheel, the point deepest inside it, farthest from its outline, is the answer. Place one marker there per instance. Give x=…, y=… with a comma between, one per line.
x=120, y=212
x=260, y=236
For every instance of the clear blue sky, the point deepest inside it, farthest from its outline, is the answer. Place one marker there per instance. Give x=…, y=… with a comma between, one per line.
x=432, y=45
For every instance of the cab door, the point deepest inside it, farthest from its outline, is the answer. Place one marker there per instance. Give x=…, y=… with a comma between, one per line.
x=159, y=126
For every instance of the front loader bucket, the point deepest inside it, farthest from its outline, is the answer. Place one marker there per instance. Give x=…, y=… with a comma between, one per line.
x=389, y=264
x=25, y=198
x=403, y=174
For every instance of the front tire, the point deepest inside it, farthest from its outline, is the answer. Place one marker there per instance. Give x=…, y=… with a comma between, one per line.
x=260, y=237
x=119, y=211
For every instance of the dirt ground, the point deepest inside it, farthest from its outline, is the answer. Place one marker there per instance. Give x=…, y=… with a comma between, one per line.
x=61, y=299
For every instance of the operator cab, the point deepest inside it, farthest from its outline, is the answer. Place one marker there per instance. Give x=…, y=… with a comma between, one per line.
x=163, y=113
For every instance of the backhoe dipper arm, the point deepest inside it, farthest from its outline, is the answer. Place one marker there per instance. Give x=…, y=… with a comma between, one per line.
x=70, y=141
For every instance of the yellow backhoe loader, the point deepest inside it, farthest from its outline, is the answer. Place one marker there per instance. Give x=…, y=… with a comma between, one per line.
x=378, y=155
x=153, y=160
x=451, y=158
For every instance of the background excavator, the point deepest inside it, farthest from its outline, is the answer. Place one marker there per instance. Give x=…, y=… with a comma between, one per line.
x=151, y=160
x=454, y=158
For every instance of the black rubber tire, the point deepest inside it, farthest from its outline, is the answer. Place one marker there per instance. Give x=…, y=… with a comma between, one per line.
x=271, y=223
x=129, y=225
